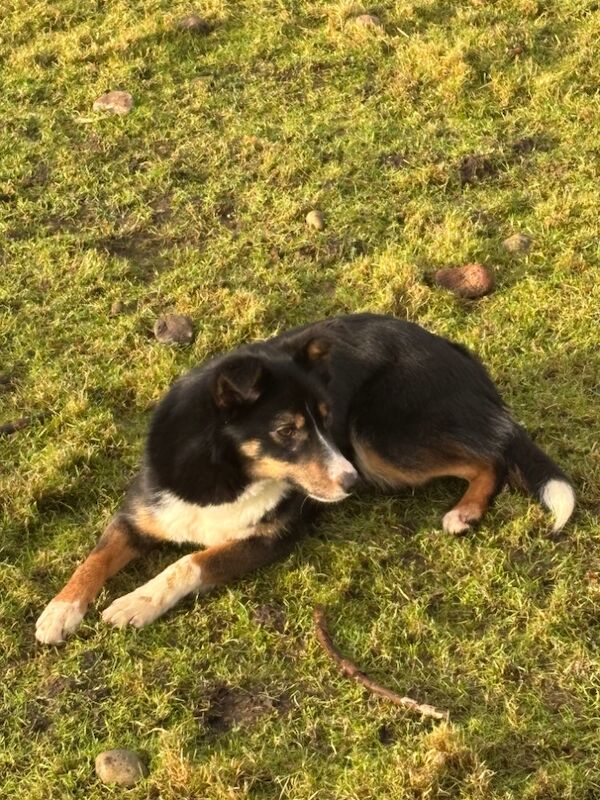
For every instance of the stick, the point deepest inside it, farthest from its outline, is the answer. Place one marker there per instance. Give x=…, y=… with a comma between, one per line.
x=352, y=671
x=8, y=428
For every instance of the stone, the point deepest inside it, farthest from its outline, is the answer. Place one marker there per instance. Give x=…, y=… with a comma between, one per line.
x=117, y=308
x=116, y=102
x=368, y=21
x=314, y=219
x=174, y=329
x=120, y=767
x=517, y=243
x=194, y=24
x=470, y=281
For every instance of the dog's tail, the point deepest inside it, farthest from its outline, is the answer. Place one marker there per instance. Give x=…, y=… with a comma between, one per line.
x=540, y=476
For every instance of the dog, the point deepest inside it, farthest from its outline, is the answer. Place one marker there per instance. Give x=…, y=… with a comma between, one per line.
x=241, y=449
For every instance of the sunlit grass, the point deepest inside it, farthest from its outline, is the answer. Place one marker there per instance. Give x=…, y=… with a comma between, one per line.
x=196, y=202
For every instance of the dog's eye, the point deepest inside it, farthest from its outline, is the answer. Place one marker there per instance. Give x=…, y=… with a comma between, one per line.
x=287, y=432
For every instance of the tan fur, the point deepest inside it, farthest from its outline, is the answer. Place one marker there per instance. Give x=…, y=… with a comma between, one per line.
x=197, y=572
x=146, y=522
x=385, y=473
x=111, y=554
x=316, y=350
x=312, y=475
x=251, y=448
x=472, y=505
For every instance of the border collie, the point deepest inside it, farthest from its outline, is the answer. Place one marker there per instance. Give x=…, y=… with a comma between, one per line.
x=241, y=448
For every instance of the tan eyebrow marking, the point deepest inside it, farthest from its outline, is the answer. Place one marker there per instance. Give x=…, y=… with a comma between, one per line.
x=251, y=448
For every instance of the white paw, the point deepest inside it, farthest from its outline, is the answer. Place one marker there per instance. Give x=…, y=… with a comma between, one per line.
x=136, y=608
x=453, y=522
x=57, y=621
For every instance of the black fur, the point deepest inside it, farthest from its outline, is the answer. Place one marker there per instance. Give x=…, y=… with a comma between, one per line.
x=413, y=395
x=292, y=419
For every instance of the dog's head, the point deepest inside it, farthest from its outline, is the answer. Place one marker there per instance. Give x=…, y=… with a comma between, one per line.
x=274, y=408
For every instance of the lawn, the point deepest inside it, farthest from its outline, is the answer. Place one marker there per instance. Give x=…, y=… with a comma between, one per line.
x=425, y=143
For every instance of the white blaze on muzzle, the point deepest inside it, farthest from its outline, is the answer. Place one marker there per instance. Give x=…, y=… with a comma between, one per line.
x=338, y=467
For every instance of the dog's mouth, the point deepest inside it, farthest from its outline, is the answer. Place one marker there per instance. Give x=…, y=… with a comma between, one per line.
x=325, y=487
x=331, y=499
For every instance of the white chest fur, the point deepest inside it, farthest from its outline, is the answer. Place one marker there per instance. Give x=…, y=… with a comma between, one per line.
x=212, y=525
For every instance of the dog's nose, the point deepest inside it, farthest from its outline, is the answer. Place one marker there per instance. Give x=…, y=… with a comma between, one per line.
x=348, y=479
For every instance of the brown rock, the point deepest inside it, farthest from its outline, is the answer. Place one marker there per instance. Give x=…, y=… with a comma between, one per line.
x=517, y=243
x=121, y=767
x=194, y=24
x=114, y=102
x=117, y=308
x=368, y=21
x=9, y=428
x=471, y=280
x=314, y=219
x=174, y=329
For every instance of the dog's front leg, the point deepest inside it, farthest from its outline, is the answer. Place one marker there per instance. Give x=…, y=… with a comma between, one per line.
x=117, y=546
x=194, y=573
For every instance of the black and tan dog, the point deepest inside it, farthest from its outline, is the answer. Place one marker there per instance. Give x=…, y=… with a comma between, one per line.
x=238, y=445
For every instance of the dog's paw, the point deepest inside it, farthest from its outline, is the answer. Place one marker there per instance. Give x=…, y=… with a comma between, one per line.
x=458, y=520
x=57, y=621
x=136, y=608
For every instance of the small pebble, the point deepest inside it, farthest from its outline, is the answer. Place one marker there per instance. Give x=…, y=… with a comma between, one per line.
x=314, y=219
x=368, y=21
x=471, y=280
x=117, y=308
x=517, y=243
x=114, y=102
x=174, y=329
x=121, y=767
x=194, y=24
x=12, y=427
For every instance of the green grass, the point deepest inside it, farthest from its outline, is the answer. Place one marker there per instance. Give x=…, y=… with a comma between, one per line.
x=195, y=202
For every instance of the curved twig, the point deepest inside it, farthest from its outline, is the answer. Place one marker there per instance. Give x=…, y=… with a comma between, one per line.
x=352, y=671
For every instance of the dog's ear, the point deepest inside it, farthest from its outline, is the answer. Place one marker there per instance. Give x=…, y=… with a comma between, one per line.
x=313, y=353
x=238, y=382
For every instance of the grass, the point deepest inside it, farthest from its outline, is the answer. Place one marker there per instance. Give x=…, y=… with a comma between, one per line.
x=195, y=202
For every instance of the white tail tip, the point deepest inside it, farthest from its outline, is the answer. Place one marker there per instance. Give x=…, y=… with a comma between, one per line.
x=559, y=498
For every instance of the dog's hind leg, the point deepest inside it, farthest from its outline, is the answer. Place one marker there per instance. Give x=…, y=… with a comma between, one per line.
x=483, y=484
x=117, y=546
x=484, y=478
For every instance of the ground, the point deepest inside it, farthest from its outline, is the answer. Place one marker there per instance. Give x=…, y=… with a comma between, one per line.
x=425, y=143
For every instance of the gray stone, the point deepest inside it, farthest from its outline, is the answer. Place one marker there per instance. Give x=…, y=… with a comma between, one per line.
x=114, y=102
x=194, y=24
x=120, y=767
x=314, y=219
x=517, y=243
x=174, y=329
